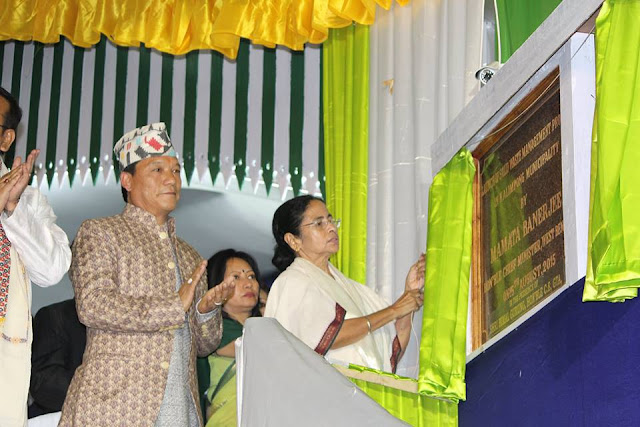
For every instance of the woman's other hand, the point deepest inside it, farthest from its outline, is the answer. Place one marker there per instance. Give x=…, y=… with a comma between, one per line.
x=415, y=276
x=409, y=301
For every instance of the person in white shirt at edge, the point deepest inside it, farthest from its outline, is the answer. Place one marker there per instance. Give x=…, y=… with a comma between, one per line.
x=32, y=249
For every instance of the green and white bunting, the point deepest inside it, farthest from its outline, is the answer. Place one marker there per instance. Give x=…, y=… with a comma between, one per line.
x=253, y=124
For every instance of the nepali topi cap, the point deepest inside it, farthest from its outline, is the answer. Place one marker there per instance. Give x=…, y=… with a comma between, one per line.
x=144, y=142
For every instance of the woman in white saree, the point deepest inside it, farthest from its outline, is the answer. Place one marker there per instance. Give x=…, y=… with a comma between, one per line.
x=340, y=319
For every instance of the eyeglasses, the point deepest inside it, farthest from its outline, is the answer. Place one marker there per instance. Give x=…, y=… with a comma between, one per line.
x=321, y=223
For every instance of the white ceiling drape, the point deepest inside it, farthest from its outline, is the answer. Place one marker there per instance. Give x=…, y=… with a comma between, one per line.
x=423, y=62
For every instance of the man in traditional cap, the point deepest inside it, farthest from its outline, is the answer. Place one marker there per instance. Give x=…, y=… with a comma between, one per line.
x=32, y=249
x=141, y=293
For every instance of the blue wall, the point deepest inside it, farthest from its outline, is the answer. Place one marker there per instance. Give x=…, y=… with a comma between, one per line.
x=571, y=364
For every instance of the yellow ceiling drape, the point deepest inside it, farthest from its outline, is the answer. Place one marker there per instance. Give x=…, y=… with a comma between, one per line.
x=179, y=26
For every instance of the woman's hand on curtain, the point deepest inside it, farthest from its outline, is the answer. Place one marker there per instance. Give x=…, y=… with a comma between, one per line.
x=355, y=329
x=409, y=301
x=415, y=276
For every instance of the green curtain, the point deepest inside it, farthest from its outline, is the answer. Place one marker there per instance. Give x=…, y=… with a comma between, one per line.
x=518, y=19
x=446, y=292
x=345, y=74
x=413, y=408
x=613, y=262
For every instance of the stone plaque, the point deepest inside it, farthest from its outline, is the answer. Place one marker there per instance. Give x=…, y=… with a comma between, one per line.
x=519, y=201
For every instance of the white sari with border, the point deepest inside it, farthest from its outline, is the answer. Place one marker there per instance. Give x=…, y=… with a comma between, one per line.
x=313, y=305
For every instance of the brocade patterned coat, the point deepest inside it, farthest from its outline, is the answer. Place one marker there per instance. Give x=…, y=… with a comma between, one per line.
x=124, y=278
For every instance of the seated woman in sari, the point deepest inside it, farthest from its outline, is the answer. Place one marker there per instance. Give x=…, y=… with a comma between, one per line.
x=243, y=303
x=340, y=319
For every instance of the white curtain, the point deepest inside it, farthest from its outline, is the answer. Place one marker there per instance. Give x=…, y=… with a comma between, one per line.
x=423, y=62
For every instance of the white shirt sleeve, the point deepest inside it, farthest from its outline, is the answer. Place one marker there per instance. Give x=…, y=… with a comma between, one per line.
x=42, y=245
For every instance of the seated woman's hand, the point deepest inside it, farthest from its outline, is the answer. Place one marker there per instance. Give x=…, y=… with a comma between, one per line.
x=415, y=276
x=409, y=301
x=217, y=295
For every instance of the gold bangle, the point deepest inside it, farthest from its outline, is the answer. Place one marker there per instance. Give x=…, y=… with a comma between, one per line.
x=368, y=323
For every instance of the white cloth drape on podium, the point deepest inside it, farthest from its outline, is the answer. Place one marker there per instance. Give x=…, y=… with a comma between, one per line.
x=282, y=382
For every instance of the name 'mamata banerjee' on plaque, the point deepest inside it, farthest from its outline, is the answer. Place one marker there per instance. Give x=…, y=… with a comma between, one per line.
x=521, y=221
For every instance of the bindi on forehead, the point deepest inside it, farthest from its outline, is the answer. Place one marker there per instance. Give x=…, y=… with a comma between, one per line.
x=242, y=271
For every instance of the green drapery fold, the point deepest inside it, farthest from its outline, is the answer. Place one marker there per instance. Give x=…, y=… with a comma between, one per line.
x=416, y=409
x=444, y=321
x=613, y=260
x=518, y=19
x=345, y=74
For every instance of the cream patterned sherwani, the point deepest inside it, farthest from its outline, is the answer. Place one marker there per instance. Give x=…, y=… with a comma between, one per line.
x=124, y=276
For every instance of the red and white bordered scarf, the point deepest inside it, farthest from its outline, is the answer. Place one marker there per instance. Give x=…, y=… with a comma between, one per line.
x=5, y=269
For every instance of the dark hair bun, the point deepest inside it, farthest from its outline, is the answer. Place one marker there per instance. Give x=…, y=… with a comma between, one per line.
x=282, y=257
